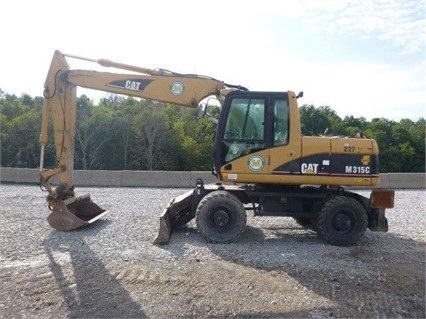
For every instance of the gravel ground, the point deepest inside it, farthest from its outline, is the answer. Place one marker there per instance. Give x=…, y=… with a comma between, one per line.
x=277, y=269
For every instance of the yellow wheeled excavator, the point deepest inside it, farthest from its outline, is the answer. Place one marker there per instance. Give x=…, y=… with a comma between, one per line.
x=264, y=163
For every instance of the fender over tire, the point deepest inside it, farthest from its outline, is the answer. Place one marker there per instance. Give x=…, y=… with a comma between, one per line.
x=221, y=217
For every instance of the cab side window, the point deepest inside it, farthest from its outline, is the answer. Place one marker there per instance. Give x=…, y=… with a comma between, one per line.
x=281, y=122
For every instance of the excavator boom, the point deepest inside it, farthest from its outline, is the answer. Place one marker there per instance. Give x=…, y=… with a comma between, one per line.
x=68, y=211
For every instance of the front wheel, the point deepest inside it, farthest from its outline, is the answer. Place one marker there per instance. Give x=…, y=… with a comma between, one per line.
x=221, y=217
x=342, y=221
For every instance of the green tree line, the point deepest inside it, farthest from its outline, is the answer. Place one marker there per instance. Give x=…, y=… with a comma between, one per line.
x=131, y=134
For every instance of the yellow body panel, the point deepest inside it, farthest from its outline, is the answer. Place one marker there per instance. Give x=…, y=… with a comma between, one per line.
x=311, y=161
x=298, y=179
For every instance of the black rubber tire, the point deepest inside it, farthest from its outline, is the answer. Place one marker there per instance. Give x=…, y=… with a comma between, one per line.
x=342, y=221
x=221, y=217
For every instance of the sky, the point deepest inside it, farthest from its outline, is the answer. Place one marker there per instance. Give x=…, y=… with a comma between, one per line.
x=361, y=58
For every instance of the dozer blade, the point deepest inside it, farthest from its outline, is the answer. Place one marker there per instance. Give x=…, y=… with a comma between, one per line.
x=177, y=213
x=74, y=212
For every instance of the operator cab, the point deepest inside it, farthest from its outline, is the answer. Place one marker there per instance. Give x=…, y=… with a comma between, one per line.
x=250, y=122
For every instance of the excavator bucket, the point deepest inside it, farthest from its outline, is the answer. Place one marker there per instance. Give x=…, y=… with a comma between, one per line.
x=177, y=213
x=73, y=213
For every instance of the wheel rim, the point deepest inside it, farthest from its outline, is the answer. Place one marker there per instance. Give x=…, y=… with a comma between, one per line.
x=343, y=222
x=220, y=218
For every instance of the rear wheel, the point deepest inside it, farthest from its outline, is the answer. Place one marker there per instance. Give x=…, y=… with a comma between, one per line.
x=342, y=221
x=221, y=217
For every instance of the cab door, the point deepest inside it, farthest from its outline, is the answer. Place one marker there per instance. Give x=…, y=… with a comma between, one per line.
x=285, y=149
x=242, y=138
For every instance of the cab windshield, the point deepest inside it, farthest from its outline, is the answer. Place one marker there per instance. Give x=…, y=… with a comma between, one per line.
x=245, y=127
